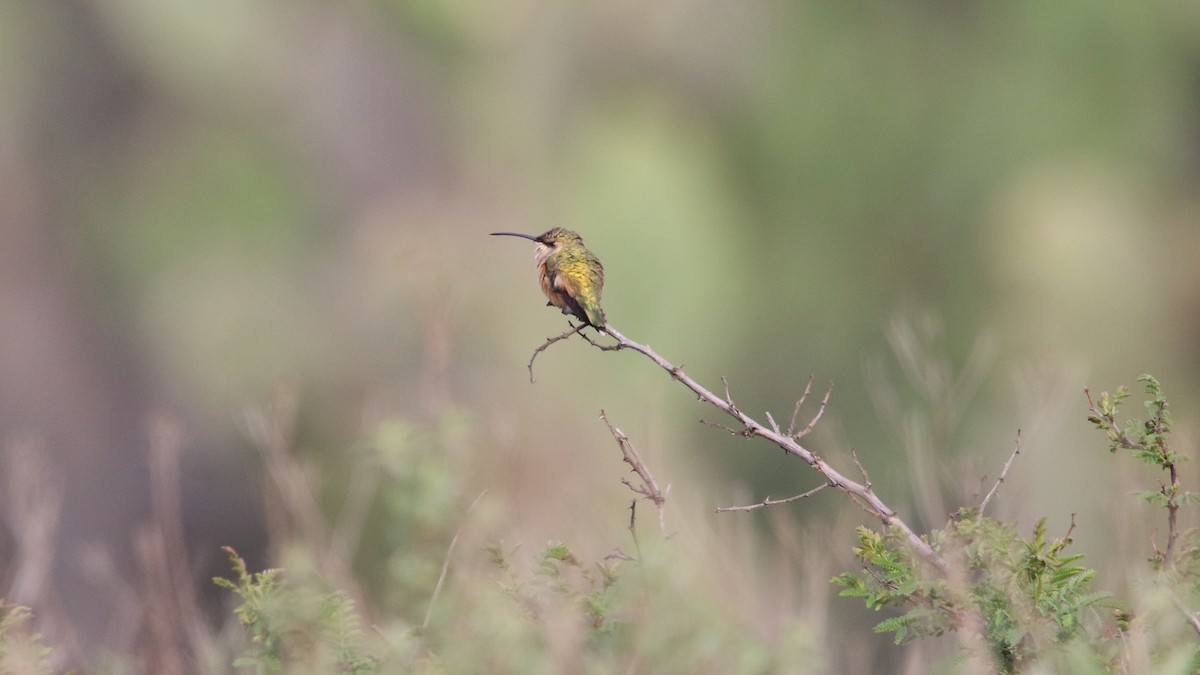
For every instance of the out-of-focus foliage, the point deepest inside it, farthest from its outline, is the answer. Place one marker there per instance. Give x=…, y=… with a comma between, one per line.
x=492, y=607
x=21, y=649
x=1028, y=601
x=1031, y=603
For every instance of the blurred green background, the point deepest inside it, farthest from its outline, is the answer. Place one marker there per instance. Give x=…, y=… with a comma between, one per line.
x=201, y=203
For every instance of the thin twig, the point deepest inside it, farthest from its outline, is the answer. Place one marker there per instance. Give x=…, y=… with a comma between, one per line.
x=1109, y=424
x=649, y=487
x=773, y=502
x=637, y=543
x=1117, y=435
x=1067, y=536
x=745, y=432
x=293, y=507
x=1192, y=619
x=771, y=420
x=1172, y=511
x=163, y=551
x=1003, y=473
x=862, y=494
x=861, y=468
x=549, y=341
x=437, y=589
x=799, y=402
x=604, y=348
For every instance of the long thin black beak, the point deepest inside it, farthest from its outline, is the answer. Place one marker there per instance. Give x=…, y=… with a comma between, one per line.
x=514, y=234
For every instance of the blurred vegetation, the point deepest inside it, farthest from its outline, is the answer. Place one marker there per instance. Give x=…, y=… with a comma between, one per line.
x=263, y=222
x=1027, y=600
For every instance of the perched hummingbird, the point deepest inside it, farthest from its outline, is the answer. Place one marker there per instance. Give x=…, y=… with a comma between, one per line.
x=570, y=275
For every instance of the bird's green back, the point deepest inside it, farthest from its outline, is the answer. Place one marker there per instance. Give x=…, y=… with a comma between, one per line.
x=580, y=273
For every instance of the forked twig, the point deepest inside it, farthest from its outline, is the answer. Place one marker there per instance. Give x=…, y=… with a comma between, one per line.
x=816, y=418
x=649, y=487
x=549, y=341
x=799, y=403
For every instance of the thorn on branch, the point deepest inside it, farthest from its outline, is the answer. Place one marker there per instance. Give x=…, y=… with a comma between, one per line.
x=774, y=502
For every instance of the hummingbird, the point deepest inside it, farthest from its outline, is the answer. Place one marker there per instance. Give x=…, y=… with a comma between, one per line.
x=570, y=275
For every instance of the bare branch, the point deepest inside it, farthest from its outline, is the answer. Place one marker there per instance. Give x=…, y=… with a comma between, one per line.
x=1003, y=473
x=551, y=340
x=774, y=426
x=861, y=494
x=649, y=487
x=774, y=502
